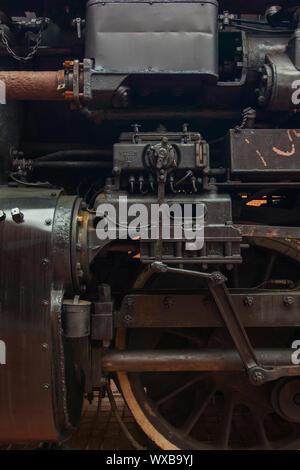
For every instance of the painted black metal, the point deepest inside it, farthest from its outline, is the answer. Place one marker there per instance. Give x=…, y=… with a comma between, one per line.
x=266, y=153
x=164, y=310
x=76, y=318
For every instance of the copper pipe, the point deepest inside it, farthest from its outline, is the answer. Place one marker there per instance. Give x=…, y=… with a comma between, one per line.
x=27, y=86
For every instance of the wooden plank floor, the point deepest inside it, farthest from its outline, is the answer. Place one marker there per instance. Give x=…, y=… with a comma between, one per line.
x=98, y=430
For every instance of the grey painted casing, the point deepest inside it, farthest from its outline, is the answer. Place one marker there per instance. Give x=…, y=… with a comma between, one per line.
x=126, y=37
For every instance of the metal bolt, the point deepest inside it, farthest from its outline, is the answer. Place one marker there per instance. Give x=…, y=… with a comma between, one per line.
x=116, y=170
x=258, y=377
x=45, y=261
x=261, y=99
x=248, y=301
x=128, y=318
x=45, y=346
x=46, y=386
x=17, y=215
x=288, y=300
x=168, y=302
x=48, y=222
x=53, y=194
x=2, y=215
x=84, y=205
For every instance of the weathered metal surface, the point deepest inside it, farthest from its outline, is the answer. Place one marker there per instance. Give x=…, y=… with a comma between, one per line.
x=166, y=310
x=35, y=271
x=142, y=114
x=26, y=385
x=76, y=318
x=265, y=231
x=27, y=85
x=138, y=37
x=270, y=152
x=188, y=360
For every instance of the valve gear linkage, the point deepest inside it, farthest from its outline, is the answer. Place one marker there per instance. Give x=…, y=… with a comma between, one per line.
x=216, y=282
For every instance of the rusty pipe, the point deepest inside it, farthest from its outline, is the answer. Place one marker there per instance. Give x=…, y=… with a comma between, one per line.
x=184, y=360
x=28, y=86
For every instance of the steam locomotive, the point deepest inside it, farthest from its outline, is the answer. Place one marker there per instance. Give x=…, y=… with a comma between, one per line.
x=151, y=103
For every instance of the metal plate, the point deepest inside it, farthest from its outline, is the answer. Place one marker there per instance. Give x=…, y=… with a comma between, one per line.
x=199, y=311
x=34, y=268
x=25, y=270
x=265, y=152
x=153, y=37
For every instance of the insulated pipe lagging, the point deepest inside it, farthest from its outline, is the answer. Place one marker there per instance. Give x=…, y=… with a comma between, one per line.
x=31, y=86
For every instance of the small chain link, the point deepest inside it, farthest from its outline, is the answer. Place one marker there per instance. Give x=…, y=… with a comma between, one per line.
x=245, y=116
x=31, y=54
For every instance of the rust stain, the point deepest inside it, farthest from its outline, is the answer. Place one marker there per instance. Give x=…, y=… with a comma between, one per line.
x=261, y=157
x=28, y=85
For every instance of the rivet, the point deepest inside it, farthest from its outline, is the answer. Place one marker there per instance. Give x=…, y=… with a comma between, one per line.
x=17, y=215
x=288, y=300
x=248, y=301
x=127, y=318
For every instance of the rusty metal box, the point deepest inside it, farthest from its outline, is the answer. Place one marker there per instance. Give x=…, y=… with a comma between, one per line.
x=265, y=153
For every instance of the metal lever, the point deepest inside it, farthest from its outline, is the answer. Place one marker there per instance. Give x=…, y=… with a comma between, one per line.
x=216, y=283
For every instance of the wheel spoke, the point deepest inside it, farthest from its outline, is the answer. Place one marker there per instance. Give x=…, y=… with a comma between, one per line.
x=194, y=417
x=191, y=337
x=180, y=389
x=260, y=427
x=227, y=421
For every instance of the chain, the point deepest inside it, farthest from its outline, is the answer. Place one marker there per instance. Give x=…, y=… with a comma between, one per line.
x=245, y=116
x=31, y=54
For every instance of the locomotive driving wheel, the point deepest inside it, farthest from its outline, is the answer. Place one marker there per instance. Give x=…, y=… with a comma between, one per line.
x=216, y=410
